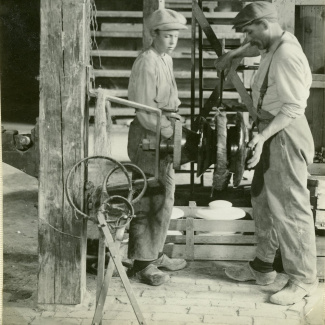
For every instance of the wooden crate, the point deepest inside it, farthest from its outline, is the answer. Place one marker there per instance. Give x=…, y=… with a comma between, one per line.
x=196, y=244
x=240, y=246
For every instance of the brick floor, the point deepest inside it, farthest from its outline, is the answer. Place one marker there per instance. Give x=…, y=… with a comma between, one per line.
x=191, y=297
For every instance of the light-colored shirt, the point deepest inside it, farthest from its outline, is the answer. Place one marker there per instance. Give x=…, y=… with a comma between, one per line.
x=289, y=78
x=152, y=83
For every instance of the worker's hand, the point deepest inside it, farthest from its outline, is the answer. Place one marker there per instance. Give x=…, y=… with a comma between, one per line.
x=223, y=63
x=256, y=144
x=176, y=117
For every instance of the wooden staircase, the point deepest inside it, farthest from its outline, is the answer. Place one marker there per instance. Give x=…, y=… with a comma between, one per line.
x=118, y=41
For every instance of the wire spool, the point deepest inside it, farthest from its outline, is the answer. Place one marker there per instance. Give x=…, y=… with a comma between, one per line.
x=115, y=208
x=131, y=192
x=72, y=172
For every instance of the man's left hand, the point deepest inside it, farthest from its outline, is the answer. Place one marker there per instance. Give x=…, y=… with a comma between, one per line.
x=257, y=145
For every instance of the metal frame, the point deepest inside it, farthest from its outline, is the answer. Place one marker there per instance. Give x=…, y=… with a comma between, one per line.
x=151, y=180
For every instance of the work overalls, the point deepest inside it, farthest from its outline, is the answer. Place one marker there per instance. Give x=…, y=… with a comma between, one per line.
x=148, y=230
x=280, y=198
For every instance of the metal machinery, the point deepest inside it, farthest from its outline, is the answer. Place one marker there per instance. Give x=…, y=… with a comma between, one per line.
x=230, y=135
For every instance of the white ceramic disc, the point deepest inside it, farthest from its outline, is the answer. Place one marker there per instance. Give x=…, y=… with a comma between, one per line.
x=177, y=213
x=221, y=214
x=217, y=233
x=220, y=204
x=174, y=232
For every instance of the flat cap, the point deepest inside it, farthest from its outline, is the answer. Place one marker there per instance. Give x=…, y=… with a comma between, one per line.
x=253, y=11
x=166, y=19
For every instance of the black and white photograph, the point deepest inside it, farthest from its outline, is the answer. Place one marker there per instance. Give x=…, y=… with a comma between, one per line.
x=163, y=162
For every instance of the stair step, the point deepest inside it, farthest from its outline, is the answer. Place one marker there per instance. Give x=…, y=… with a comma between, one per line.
x=123, y=93
x=187, y=14
x=187, y=4
x=134, y=54
x=138, y=34
x=136, y=30
x=126, y=74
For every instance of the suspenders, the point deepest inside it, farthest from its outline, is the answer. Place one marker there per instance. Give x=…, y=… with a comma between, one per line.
x=266, y=81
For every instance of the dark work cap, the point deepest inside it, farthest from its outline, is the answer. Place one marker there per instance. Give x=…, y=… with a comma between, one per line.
x=253, y=11
x=166, y=19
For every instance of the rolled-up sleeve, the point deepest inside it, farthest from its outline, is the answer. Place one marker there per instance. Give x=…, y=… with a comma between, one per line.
x=291, y=86
x=143, y=90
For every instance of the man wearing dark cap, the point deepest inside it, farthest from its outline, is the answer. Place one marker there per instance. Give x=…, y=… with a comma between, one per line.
x=152, y=83
x=283, y=148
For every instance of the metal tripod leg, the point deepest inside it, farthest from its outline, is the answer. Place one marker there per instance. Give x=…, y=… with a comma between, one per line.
x=102, y=287
x=114, y=252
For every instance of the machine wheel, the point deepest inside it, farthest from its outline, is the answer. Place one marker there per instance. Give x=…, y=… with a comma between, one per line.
x=237, y=149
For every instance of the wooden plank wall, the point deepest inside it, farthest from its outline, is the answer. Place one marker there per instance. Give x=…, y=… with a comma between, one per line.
x=62, y=131
x=310, y=30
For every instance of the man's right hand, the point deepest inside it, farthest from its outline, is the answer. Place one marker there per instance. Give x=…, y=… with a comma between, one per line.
x=223, y=63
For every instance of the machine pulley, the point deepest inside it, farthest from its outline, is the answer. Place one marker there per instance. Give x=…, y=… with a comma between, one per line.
x=205, y=146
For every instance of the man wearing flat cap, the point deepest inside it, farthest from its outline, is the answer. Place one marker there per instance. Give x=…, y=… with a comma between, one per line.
x=283, y=148
x=152, y=83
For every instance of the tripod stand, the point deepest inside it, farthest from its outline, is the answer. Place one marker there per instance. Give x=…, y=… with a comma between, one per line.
x=113, y=216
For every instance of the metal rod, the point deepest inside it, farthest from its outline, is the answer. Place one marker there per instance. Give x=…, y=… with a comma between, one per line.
x=193, y=51
x=141, y=107
x=200, y=75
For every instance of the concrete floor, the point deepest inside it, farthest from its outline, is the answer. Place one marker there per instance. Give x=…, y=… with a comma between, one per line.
x=199, y=294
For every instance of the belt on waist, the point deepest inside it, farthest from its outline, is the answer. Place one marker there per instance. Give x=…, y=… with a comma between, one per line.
x=168, y=113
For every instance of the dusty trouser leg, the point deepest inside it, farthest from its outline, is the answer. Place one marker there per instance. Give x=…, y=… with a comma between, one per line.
x=260, y=270
x=264, y=230
x=149, y=229
x=290, y=151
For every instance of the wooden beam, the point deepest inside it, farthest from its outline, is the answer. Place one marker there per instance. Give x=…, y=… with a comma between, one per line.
x=189, y=239
x=310, y=3
x=115, y=73
x=62, y=237
x=213, y=252
x=136, y=31
x=187, y=14
x=318, y=81
x=149, y=6
x=134, y=54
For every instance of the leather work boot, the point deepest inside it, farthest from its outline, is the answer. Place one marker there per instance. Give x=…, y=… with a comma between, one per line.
x=292, y=293
x=152, y=275
x=170, y=264
x=247, y=273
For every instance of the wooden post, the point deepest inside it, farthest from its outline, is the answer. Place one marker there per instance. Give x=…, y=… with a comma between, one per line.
x=62, y=127
x=149, y=6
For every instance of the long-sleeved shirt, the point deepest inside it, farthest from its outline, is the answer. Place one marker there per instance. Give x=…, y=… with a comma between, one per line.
x=289, y=78
x=152, y=83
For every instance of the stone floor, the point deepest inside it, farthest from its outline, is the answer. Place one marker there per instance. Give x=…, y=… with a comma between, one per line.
x=199, y=294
